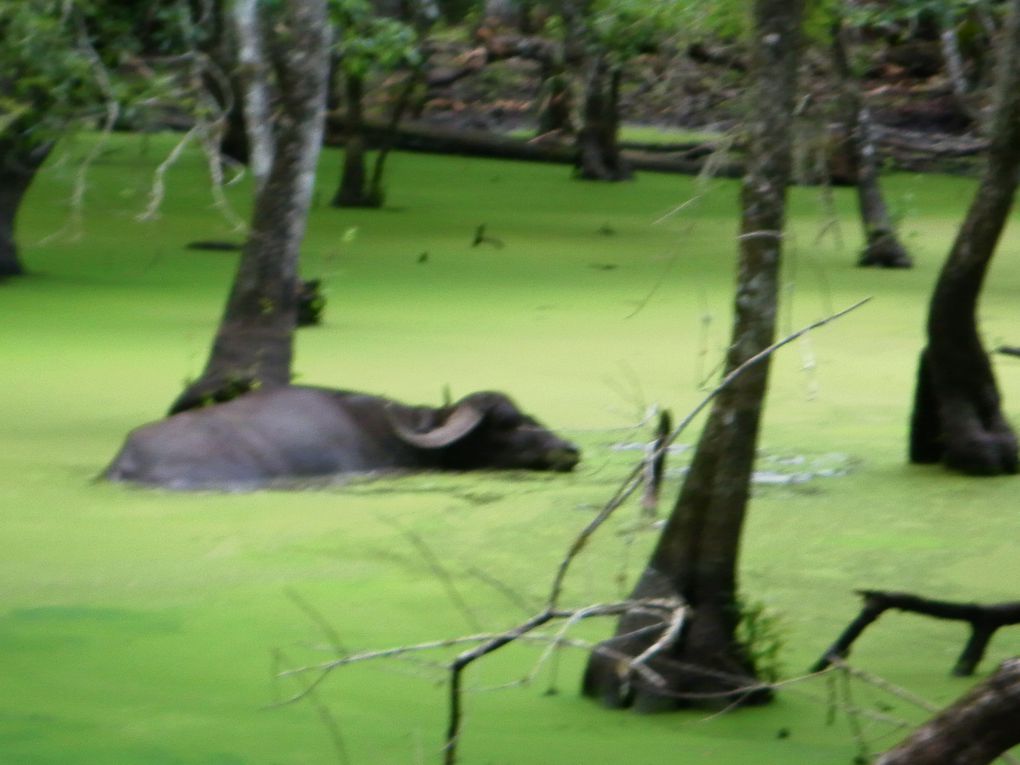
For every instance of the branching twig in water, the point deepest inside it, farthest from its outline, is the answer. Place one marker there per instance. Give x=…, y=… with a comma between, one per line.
x=885, y=685
x=324, y=669
x=325, y=715
x=852, y=717
x=463, y=661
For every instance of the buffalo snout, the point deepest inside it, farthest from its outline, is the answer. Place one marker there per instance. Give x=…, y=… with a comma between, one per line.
x=563, y=459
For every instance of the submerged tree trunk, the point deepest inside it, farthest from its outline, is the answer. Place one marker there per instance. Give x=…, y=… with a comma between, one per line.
x=253, y=346
x=598, y=152
x=881, y=248
x=18, y=167
x=696, y=556
x=976, y=730
x=957, y=416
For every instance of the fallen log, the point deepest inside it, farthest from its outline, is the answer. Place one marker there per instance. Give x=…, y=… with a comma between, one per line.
x=984, y=620
x=976, y=730
x=423, y=137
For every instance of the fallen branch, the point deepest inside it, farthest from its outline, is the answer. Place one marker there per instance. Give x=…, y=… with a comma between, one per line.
x=984, y=620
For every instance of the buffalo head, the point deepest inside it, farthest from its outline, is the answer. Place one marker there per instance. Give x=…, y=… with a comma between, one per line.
x=485, y=430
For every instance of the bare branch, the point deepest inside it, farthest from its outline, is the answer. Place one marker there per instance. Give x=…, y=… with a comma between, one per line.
x=158, y=190
x=111, y=107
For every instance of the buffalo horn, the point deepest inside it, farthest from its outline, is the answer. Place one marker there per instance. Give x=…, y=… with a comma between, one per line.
x=464, y=419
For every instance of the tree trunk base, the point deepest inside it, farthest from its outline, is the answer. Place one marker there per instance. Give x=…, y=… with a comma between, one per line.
x=960, y=427
x=10, y=267
x=701, y=665
x=358, y=200
x=587, y=174
x=685, y=686
x=884, y=251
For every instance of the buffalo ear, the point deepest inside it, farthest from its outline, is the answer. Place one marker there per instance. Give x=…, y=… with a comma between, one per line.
x=461, y=421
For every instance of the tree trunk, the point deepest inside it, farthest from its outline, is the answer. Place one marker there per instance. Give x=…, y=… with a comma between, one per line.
x=375, y=183
x=975, y=730
x=949, y=44
x=253, y=346
x=555, y=105
x=696, y=556
x=353, y=190
x=18, y=167
x=882, y=248
x=957, y=416
x=598, y=153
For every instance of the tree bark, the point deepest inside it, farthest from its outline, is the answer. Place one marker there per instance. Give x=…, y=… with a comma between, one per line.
x=19, y=164
x=882, y=248
x=976, y=730
x=957, y=416
x=253, y=346
x=696, y=557
x=598, y=152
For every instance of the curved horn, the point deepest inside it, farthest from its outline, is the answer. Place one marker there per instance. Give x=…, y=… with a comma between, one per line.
x=462, y=421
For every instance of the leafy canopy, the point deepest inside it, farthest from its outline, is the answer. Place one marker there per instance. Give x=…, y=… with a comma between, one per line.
x=366, y=42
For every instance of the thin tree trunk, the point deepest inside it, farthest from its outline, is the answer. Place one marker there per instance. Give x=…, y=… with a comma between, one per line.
x=18, y=167
x=696, y=556
x=375, y=183
x=957, y=416
x=555, y=105
x=950, y=47
x=975, y=730
x=882, y=247
x=253, y=346
x=598, y=152
x=252, y=74
x=353, y=189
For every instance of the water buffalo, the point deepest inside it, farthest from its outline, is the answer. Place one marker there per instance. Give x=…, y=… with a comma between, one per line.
x=292, y=432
